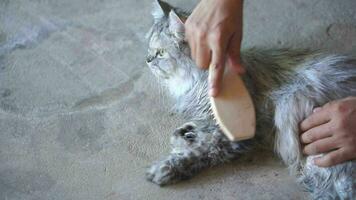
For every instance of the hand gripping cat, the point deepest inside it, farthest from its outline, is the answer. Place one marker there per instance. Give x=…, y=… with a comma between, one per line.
x=285, y=86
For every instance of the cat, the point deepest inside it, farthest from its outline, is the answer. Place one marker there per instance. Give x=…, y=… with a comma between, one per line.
x=285, y=86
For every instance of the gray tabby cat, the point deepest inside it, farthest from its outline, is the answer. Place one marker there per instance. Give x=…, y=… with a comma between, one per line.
x=285, y=87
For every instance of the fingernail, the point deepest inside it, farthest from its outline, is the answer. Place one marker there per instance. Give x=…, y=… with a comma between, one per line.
x=301, y=140
x=316, y=109
x=212, y=92
x=241, y=70
x=314, y=161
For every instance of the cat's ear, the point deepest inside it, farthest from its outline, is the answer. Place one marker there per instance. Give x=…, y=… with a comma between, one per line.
x=160, y=9
x=176, y=25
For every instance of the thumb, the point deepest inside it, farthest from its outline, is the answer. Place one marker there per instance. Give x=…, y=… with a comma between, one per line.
x=233, y=51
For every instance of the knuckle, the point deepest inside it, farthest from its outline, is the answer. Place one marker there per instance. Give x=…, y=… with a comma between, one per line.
x=312, y=137
x=353, y=153
x=216, y=61
x=342, y=123
x=312, y=119
x=341, y=107
x=310, y=149
x=349, y=98
x=214, y=64
x=216, y=36
x=343, y=154
x=329, y=105
x=352, y=142
x=201, y=34
x=308, y=137
x=304, y=138
x=339, y=141
x=301, y=126
x=304, y=125
x=195, y=24
x=315, y=149
x=343, y=136
x=189, y=26
x=199, y=64
x=329, y=160
x=330, y=129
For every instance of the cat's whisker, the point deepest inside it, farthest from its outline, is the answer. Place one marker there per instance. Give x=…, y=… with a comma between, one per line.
x=160, y=93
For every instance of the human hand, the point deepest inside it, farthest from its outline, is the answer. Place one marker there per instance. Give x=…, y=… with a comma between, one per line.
x=331, y=129
x=214, y=33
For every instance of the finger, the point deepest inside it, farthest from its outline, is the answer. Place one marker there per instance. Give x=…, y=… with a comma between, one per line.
x=236, y=65
x=215, y=78
x=316, y=109
x=216, y=72
x=218, y=45
x=202, y=56
x=320, y=146
x=332, y=158
x=233, y=51
x=316, y=133
x=192, y=48
x=322, y=116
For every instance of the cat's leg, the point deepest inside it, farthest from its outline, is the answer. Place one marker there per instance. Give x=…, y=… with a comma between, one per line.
x=290, y=110
x=338, y=182
x=293, y=104
x=195, y=145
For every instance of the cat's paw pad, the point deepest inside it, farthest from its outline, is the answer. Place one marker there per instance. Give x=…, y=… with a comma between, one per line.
x=161, y=173
x=187, y=131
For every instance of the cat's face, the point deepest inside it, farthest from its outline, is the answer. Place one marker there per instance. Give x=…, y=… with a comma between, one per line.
x=167, y=49
x=162, y=55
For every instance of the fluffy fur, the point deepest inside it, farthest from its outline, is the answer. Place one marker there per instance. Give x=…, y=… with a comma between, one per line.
x=285, y=87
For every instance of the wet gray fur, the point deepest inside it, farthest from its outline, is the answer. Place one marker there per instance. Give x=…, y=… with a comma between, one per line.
x=285, y=86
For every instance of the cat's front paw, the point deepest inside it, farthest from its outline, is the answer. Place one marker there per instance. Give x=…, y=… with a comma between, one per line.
x=161, y=173
x=187, y=131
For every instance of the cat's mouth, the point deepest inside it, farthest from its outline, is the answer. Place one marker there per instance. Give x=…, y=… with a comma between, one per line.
x=149, y=59
x=158, y=72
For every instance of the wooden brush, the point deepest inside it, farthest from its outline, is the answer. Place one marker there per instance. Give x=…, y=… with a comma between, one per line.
x=233, y=108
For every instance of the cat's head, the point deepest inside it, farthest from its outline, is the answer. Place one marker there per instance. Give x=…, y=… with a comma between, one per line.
x=168, y=53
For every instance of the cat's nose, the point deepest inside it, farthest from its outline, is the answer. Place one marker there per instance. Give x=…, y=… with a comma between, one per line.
x=149, y=58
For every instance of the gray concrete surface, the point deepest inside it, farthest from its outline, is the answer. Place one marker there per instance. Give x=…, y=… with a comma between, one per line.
x=81, y=117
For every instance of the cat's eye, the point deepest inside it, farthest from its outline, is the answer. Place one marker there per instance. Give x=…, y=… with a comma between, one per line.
x=160, y=52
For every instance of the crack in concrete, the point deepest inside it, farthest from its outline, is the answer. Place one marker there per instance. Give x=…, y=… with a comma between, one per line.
x=30, y=35
x=107, y=97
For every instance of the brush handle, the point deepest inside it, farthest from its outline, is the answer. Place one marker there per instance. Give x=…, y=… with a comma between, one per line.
x=233, y=107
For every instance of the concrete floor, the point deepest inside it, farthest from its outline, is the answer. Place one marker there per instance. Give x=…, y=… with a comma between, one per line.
x=81, y=116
